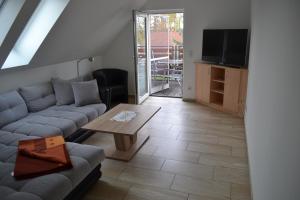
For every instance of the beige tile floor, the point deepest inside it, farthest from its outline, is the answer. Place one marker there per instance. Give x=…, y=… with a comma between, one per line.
x=194, y=153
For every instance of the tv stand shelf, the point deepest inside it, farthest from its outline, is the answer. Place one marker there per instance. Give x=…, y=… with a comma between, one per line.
x=222, y=88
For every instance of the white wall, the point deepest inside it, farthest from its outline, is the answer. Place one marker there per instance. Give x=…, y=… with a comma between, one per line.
x=85, y=28
x=272, y=118
x=120, y=55
x=199, y=14
x=14, y=78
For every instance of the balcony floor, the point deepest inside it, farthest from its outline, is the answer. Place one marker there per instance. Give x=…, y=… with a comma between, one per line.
x=175, y=90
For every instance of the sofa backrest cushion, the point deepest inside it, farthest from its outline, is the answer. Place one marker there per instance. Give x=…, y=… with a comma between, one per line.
x=86, y=93
x=12, y=108
x=63, y=91
x=38, y=97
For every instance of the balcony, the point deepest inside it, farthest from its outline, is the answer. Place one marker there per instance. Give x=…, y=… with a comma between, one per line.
x=166, y=70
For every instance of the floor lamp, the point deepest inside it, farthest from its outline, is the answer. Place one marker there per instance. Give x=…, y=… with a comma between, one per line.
x=91, y=59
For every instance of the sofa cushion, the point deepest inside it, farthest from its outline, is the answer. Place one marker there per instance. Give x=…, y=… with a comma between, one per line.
x=79, y=119
x=31, y=129
x=91, y=154
x=8, y=153
x=90, y=111
x=56, y=120
x=12, y=108
x=63, y=91
x=48, y=187
x=10, y=194
x=42, y=126
x=100, y=108
x=38, y=97
x=12, y=139
x=86, y=93
x=8, y=142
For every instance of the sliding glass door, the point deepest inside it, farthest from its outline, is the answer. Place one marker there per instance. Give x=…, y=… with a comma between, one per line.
x=141, y=55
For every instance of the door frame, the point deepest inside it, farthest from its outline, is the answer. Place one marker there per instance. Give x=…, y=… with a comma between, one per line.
x=171, y=11
x=139, y=100
x=148, y=57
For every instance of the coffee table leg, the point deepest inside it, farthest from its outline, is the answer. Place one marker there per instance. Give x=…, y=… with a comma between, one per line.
x=124, y=142
x=133, y=139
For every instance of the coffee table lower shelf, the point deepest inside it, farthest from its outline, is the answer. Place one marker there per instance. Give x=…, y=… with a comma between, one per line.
x=117, y=151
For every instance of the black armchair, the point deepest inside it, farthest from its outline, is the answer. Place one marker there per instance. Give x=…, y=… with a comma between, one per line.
x=113, y=81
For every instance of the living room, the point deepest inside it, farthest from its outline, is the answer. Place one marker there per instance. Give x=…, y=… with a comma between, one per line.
x=210, y=144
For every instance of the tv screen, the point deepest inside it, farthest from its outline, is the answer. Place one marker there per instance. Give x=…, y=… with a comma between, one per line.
x=212, y=48
x=235, y=47
x=225, y=46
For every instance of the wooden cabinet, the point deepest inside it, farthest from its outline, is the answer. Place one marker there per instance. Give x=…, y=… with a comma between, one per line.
x=231, y=90
x=243, y=92
x=203, y=82
x=220, y=87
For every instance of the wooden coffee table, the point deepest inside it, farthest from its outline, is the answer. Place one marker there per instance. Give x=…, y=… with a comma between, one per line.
x=126, y=137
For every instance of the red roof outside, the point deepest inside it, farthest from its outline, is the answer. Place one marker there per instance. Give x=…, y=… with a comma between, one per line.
x=161, y=38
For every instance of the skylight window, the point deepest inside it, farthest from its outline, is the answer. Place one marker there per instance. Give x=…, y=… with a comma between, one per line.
x=9, y=10
x=34, y=33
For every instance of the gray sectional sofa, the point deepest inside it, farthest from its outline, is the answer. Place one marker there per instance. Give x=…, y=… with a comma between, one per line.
x=37, y=115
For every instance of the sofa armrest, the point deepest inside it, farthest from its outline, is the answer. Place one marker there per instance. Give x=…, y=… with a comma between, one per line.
x=105, y=95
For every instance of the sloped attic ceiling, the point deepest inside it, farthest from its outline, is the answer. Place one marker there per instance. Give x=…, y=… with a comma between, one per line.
x=85, y=28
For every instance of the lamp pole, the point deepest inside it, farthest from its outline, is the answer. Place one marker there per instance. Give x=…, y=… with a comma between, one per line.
x=91, y=59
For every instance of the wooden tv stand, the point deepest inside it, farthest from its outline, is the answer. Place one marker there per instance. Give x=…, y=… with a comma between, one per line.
x=222, y=88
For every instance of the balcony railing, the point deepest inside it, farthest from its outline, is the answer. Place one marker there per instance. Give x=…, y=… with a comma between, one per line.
x=173, y=52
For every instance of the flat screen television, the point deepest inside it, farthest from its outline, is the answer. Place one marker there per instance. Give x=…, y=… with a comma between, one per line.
x=225, y=46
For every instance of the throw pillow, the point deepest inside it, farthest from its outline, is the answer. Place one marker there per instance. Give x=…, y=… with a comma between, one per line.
x=86, y=93
x=63, y=91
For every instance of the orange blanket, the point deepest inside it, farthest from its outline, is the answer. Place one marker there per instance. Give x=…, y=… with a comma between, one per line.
x=41, y=156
